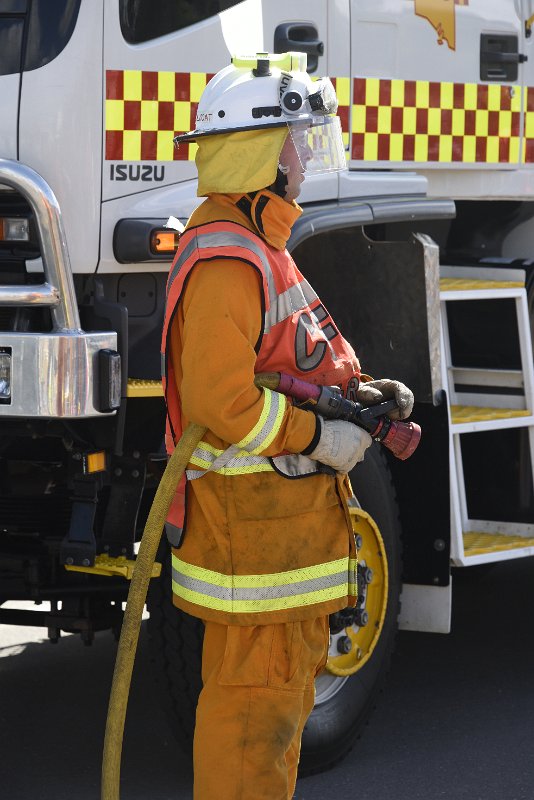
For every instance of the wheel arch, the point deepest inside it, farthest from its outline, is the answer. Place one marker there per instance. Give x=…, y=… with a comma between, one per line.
x=384, y=295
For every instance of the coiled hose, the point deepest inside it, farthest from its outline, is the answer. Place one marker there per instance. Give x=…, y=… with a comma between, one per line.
x=122, y=675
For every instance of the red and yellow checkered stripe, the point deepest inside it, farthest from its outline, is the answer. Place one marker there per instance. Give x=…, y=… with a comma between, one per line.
x=383, y=120
x=528, y=149
x=342, y=87
x=423, y=121
x=146, y=110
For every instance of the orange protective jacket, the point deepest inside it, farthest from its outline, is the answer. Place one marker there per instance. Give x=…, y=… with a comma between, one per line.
x=258, y=546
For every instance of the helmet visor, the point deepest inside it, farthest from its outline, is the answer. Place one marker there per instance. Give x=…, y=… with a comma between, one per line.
x=320, y=146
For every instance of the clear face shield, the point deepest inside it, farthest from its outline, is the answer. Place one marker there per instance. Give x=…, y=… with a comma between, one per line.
x=319, y=146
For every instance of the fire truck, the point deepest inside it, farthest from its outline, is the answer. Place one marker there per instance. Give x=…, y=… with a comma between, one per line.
x=428, y=231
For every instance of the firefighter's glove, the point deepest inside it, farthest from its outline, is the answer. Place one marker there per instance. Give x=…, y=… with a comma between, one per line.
x=374, y=392
x=341, y=444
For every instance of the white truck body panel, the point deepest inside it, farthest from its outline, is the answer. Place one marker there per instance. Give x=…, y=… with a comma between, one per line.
x=426, y=608
x=9, y=92
x=60, y=133
x=64, y=131
x=390, y=40
x=395, y=42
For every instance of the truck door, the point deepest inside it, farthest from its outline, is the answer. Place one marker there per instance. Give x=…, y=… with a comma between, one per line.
x=158, y=57
x=437, y=84
x=60, y=114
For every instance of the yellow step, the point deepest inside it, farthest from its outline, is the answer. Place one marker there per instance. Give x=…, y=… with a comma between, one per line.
x=476, y=544
x=114, y=567
x=461, y=414
x=469, y=284
x=141, y=388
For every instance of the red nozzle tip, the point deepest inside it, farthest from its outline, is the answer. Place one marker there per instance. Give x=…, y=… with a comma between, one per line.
x=402, y=439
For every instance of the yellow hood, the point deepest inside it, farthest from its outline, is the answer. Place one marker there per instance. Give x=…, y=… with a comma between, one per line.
x=231, y=163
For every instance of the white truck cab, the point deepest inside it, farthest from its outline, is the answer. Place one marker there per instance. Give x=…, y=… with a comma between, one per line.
x=428, y=230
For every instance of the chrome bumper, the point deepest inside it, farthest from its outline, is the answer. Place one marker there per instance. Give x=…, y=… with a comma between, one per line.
x=53, y=374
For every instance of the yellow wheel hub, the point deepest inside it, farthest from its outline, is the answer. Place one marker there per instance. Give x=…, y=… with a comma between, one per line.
x=357, y=641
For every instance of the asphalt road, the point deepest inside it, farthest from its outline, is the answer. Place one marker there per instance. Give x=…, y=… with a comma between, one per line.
x=456, y=721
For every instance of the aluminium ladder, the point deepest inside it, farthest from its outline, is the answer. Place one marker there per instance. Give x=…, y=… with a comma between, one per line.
x=489, y=407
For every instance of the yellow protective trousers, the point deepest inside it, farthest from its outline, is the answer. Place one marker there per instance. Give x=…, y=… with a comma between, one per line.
x=258, y=693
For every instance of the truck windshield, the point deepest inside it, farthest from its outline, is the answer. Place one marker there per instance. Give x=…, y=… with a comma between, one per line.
x=33, y=33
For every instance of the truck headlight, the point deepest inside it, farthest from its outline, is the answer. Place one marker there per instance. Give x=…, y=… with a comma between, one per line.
x=5, y=376
x=14, y=229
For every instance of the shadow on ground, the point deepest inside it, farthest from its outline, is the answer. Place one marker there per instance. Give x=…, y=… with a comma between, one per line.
x=455, y=722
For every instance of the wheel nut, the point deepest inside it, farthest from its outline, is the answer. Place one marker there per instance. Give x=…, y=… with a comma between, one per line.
x=344, y=645
x=368, y=575
x=359, y=541
x=361, y=618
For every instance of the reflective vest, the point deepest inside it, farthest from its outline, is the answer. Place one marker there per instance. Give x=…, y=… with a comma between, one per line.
x=298, y=337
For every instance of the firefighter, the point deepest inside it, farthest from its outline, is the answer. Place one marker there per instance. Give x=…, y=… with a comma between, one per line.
x=262, y=546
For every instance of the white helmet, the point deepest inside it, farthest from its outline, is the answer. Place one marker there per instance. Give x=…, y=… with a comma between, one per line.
x=267, y=91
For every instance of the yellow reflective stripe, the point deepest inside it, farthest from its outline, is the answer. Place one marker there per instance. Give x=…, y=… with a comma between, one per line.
x=271, y=579
x=210, y=448
x=266, y=467
x=253, y=593
x=353, y=576
x=268, y=425
x=204, y=455
x=267, y=393
x=263, y=467
x=239, y=462
x=257, y=606
x=203, y=463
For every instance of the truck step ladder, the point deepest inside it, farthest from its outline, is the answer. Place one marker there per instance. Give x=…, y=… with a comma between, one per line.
x=486, y=400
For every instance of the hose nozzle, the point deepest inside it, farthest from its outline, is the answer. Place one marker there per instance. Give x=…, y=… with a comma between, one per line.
x=402, y=438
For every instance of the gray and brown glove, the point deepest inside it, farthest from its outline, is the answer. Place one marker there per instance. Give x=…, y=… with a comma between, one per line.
x=340, y=444
x=373, y=392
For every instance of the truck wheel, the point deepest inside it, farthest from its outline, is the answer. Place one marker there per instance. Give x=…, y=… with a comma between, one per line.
x=175, y=644
x=343, y=702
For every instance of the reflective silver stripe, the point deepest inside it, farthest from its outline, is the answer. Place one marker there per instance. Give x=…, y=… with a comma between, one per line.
x=268, y=425
x=237, y=465
x=225, y=457
x=233, y=594
x=281, y=306
x=188, y=250
x=222, y=239
x=292, y=465
x=295, y=464
x=293, y=299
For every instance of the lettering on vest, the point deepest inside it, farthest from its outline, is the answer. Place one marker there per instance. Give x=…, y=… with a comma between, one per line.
x=309, y=324
x=352, y=390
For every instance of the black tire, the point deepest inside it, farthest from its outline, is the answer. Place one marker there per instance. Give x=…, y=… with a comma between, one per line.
x=175, y=643
x=334, y=726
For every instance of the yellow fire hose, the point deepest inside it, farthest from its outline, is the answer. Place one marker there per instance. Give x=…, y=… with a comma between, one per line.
x=131, y=625
x=122, y=675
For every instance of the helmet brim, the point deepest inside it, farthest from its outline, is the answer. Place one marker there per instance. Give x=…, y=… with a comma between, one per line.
x=192, y=136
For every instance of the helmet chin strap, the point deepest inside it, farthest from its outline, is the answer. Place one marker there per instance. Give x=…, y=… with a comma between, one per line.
x=279, y=187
